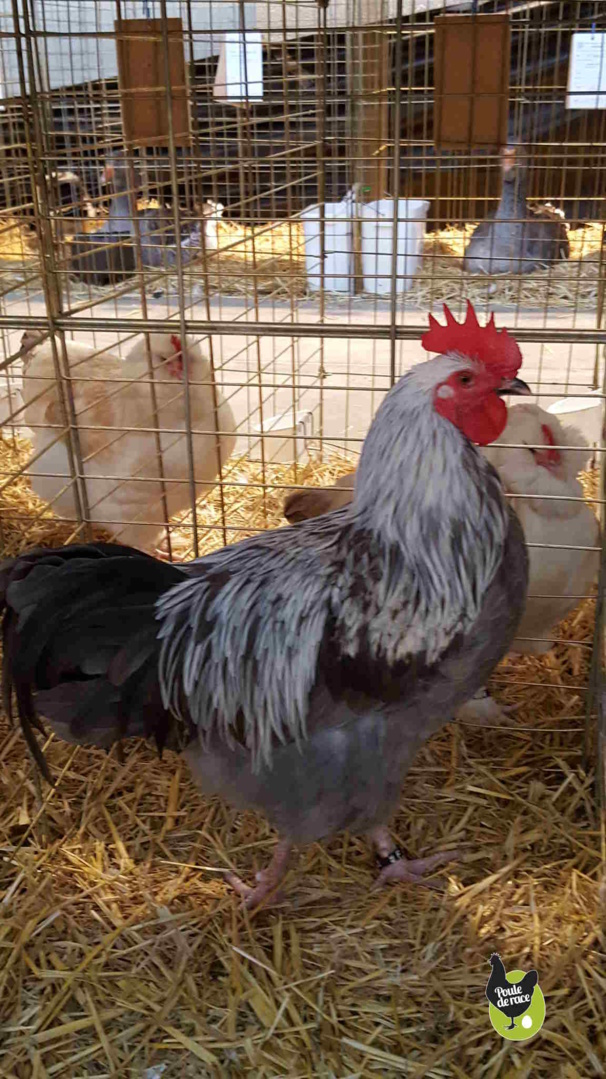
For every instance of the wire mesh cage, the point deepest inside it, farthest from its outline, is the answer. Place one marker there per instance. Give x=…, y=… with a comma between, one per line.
x=222, y=227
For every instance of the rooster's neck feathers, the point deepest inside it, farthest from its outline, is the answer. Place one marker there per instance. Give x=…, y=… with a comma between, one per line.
x=440, y=507
x=395, y=576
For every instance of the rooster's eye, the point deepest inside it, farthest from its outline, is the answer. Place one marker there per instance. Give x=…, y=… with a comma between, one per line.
x=465, y=380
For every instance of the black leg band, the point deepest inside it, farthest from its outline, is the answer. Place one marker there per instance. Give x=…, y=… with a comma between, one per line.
x=396, y=855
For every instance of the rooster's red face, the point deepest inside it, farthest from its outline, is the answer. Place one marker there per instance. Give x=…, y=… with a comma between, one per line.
x=470, y=397
x=472, y=400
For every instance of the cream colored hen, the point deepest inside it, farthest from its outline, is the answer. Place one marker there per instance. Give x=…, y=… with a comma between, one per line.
x=558, y=526
x=114, y=408
x=550, y=516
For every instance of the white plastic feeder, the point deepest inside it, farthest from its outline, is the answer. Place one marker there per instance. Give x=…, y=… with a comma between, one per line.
x=285, y=436
x=11, y=402
x=338, y=246
x=213, y=212
x=582, y=412
x=377, y=243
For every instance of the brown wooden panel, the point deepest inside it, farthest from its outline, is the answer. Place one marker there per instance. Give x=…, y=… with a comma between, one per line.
x=141, y=75
x=471, y=74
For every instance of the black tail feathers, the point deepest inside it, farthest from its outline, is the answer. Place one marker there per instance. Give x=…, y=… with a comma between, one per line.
x=79, y=644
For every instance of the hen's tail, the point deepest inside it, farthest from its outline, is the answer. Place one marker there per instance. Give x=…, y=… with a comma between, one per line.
x=79, y=643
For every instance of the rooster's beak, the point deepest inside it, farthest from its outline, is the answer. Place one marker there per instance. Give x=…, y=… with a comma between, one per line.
x=515, y=386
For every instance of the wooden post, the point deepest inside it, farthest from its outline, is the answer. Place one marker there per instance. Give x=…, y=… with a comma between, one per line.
x=369, y=82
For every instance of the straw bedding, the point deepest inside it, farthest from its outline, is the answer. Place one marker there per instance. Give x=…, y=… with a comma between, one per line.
x=122, y=948
x=271, y=261
x=275, y=261
x=571, y=283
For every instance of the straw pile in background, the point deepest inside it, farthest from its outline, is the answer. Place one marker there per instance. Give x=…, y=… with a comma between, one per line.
x=26, y=520
x=249, y=505
x=19, y=256
x=17, y=241
x=270, y=260
x=123, y=949
x=245, y=501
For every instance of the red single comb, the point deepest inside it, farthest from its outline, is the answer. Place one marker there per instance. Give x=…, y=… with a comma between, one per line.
x=490, y=346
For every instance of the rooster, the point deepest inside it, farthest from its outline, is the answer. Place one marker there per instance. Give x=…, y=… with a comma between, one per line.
x=300, y=672
x=112, y=398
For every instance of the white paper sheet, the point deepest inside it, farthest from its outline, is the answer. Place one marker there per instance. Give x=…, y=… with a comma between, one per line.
x=587, y=72
x=240, y=70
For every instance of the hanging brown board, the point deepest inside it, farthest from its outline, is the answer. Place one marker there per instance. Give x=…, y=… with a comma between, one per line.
x=471, y=73
x=142, y=81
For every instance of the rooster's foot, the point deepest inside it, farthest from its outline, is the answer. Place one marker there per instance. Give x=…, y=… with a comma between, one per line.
x=396, y=868
x=483, y=711
x=266, y=893
x=413, y=871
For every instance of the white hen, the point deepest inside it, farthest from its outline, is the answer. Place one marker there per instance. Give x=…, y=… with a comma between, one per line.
x=555, y=525
x=113, y=401
x=554, y=518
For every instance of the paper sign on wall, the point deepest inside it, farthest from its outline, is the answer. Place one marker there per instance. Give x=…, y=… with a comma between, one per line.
x=240, y=70
x=587, y=72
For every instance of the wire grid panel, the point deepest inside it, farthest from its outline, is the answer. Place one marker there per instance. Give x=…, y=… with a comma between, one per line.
x=272, y=238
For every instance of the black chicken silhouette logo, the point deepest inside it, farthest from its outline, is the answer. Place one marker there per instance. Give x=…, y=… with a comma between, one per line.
x=517, y=1005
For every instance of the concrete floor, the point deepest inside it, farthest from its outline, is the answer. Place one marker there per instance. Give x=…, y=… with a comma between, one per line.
x=356, y=371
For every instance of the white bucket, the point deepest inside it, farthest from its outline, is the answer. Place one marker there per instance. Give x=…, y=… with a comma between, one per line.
x=213, y=212
x=296, y=428
x=11, y=402
x=582, y=412
x=338, y=264
x=377, y=243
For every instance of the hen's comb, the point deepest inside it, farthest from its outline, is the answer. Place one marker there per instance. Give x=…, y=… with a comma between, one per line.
x=492, y=347
x=552, y=455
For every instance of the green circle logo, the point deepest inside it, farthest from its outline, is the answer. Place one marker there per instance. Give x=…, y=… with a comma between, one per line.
x=516, y=1003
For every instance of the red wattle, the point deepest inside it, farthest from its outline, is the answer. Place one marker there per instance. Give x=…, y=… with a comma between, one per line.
x=481, y=423
x=484, y=423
